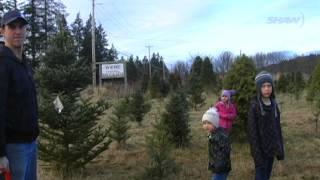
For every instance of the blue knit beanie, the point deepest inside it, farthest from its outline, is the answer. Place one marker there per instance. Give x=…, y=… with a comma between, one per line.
x=263, y=77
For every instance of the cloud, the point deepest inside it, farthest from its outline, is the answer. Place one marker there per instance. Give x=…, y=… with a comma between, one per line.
x=178, y=28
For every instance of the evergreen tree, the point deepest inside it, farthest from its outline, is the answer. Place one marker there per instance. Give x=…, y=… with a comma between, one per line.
x=119, y=123
x=154, y=86
x=195, y=84
x=61, y=72
x=72, y=138
x=132, y=71
x=112, y=54
x=298, y=84
x=174, y=81
x=162, y=166
x=195, y=92
x=176, y=119
x=10, y=5
x=101, y=44
x=49, y=12
x=138, y=107
x=77, y=29
x=282, y=83
x=208, y=77
x=139, y=66
x=241, y=78
x=42, y=16
x=144, y=83
x=313, y=88
x=313, y=91
x=145, y=63
x=196, y=66
x=164, y=88
x=33, y=47
x=156, y=63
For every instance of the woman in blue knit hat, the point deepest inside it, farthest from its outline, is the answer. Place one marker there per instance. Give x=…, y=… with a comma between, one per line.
x=264, y=129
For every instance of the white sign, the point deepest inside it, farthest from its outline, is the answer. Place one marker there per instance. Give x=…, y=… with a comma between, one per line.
x=112, y=71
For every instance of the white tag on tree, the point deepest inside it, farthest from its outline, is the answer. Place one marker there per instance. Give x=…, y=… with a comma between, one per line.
x=58, y=106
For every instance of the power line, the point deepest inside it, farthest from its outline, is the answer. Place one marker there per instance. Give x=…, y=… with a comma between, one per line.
x=109, y=19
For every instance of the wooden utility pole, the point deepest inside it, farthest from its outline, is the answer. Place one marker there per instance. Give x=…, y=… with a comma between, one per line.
x=93, y=36
x=149, y=60
x=163, y=70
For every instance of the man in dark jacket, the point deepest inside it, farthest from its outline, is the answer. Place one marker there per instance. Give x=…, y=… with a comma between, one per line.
x=18, y=103
x=264, y=130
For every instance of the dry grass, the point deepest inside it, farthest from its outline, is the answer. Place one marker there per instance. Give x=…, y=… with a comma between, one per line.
x=302, y=147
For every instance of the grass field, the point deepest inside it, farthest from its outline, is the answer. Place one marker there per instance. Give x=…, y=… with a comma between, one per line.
x=302, y=150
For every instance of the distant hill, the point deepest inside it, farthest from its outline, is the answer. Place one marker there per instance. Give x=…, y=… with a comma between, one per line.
x=304, y=64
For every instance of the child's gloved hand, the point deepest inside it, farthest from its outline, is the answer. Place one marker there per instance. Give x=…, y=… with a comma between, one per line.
x=4, y=164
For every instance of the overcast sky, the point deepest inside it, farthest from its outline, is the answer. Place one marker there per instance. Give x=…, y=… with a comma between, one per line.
x=178, y=29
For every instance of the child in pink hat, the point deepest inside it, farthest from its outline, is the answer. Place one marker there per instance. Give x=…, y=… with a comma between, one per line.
x=227, y=110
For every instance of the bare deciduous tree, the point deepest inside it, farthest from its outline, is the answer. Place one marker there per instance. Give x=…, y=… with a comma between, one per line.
x=223, y=62
x=264, y=59
x=183, y=70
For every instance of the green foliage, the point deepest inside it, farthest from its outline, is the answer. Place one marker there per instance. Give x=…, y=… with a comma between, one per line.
x=282, y=83
x=164, y=88
x=176, y=118
x=42, y=17
x=61, y=72
x=241, y=78
x=162, y=165
x=195, y=92
x=196, y=66
x=208, y=77
x=175, y=81
x=154, y=86
x=144, y=83
x=314, y=86
x=73, y=138
x=138, y=107
x=313, y=91
x=296, y=84
x=132, y=71
x=119, y=123
x=77, y=30
x=101, y=44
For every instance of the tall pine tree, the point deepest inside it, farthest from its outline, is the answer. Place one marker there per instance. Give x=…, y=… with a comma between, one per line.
x=241, y=78
x=208, y=77
x=195, y=92
x=72, y=138
x=77, y=29
x=42, y=16
x=9, y=5
x=101, y=45
x=195, y=84
x=132, y=71
x=196, y=66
